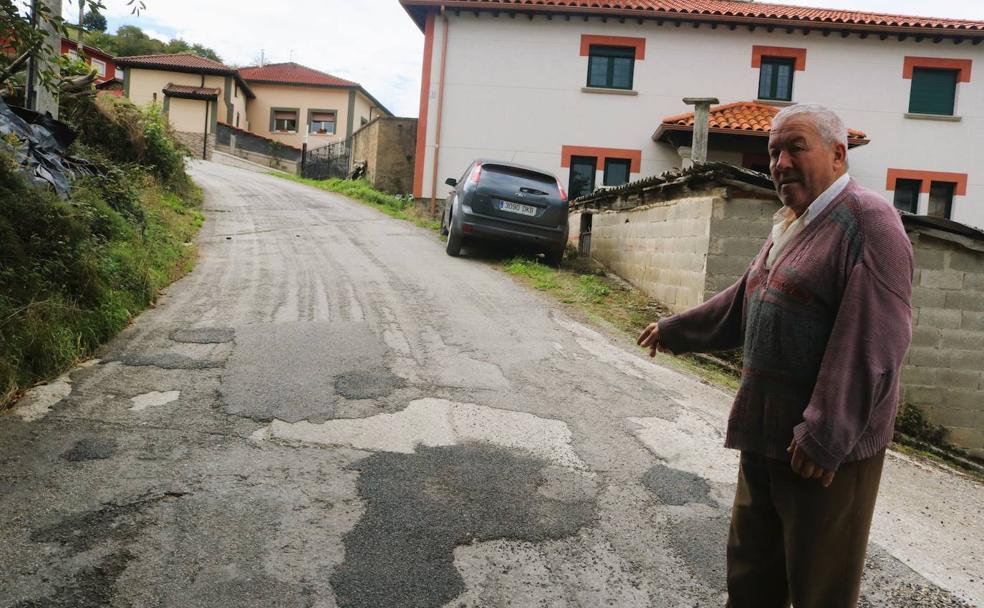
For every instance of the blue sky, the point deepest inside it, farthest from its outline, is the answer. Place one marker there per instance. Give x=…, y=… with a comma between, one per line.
x=372, y=42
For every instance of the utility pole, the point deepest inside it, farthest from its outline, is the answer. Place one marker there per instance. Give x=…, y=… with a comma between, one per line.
x=39, y=98
x=702, y=111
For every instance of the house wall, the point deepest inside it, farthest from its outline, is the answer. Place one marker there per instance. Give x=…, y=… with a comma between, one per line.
x=387, y=144
x=944, y=370
x=143, y=84
x=187, y=118
x=304, y=99
x=513, y=90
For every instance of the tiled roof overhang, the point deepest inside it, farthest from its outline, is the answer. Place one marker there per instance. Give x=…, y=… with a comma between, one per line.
x=157, y=62
x=185, y=92
x=725, y=12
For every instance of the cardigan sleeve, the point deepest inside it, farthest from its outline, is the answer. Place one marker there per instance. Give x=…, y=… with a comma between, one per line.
x=856, y=394
x=715, y=325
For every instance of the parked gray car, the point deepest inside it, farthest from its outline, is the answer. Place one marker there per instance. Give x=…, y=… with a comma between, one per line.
x=503, y=201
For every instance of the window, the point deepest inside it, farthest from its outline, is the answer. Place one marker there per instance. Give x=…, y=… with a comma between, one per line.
x=582, y=179
x=100, y=67
x=322, y=123
x=285, y=121
x=237, y=120
x=941, y=199
x=776, y=78
x=907, y=194
x=933, y=91
x=617, y=171
x=611, y=67
x=235, y=89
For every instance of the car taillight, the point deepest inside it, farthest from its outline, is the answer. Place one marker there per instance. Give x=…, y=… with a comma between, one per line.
x=476, y=174
x=563, y=193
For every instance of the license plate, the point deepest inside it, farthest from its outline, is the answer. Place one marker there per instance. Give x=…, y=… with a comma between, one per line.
x=517, y=208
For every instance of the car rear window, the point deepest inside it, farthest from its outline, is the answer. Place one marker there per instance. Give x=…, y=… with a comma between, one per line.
x=498, y=177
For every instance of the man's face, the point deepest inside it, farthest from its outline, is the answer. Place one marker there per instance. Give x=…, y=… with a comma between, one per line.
x=801, y=163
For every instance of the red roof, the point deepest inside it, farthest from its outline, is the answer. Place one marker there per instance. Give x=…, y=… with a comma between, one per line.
x=178, y=60
x=728, y=10
x=740, y=118
x=293, y=73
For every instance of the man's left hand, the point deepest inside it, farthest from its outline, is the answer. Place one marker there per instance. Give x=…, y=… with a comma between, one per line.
x=804, y=466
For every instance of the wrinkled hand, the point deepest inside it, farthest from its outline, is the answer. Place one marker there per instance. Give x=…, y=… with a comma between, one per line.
x=804, y=466
x=649, y=338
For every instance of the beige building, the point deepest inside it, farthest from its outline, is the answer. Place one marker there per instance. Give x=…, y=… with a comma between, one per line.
x=295, y=103
x=195, y=93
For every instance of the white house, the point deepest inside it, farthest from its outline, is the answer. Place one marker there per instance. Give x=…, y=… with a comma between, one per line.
x=593, y=91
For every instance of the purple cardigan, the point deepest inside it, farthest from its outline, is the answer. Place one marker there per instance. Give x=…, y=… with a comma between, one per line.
x=824, y=333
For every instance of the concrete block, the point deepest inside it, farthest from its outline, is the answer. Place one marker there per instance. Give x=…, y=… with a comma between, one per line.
x=939, y=318
x=954, y=416
x=971, y=439
x=928, y=297
x=746, y=208
x=972, y=320
x=932, y=259
x=919, y=376
x=923, y=396
x=974, y=281
x=966, y=260
x=942, y=279
x=963, y=339
x=926, y=357
x=923, y=336
x=963, y=359
x=965, y=301
x=961, y=380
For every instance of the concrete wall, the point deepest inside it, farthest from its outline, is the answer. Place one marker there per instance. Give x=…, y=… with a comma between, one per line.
x=944, y=370
x=739, y=227
x=387, y=145
x=514, y=90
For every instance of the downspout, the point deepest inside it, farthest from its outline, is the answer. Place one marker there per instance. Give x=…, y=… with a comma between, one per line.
x=440, y=112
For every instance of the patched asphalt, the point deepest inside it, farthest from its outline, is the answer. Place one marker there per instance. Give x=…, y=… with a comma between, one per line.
x=419, y=507
x=204, y=335
x=90, y=448
x=674, y=487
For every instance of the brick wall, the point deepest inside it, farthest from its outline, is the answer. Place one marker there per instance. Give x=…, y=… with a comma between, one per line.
x=387, y=144
x=944, y=371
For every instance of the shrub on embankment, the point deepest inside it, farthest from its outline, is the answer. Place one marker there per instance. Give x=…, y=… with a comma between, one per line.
x=74, y=272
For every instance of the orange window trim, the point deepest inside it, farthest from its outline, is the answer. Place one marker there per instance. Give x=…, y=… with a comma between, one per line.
x=639, y=44
x=960, y=65
x=634, y=156
x=425, y=78
x=926, y=177
x=798, y=55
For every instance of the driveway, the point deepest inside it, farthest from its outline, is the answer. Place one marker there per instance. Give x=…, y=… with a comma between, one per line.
x=329, y=411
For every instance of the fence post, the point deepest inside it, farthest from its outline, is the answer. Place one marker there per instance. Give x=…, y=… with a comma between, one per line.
x=303, y=157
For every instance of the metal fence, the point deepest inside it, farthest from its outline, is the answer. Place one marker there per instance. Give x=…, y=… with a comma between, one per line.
x=332, y=160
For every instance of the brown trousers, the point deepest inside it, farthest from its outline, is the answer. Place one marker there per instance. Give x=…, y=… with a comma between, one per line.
x=792, y=540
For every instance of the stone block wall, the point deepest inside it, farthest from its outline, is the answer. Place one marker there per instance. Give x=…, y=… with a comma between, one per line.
x=659, y=248
x=943, y=374
x=195, y=142
x=388, y=145
x=739, y=227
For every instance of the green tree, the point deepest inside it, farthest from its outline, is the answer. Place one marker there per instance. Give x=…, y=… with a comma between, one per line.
x=94, y=21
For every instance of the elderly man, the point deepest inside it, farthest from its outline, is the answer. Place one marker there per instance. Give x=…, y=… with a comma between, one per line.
x=823, y=314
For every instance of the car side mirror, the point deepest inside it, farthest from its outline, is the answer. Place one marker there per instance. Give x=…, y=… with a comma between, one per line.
x=451, y=182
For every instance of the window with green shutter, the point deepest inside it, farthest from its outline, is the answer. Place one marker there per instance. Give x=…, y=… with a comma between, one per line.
x=776, y=78
x=933, y=91
x=611, y=67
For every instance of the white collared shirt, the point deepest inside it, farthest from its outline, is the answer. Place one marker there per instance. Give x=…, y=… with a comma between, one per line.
x=786, y=226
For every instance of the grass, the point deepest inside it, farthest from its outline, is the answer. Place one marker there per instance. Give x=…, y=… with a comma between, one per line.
x=400, y=207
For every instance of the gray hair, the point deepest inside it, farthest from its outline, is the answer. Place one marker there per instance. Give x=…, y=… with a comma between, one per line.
x=830, y=126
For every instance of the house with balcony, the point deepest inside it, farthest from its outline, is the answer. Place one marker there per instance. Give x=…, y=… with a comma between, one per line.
x=296, y=104
x=593, y=91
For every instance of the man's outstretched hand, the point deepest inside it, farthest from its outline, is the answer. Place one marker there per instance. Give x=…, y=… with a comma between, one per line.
x=804, y=466
x=649, y=338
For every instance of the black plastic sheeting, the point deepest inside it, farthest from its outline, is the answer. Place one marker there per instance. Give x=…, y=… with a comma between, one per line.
x=39, y=143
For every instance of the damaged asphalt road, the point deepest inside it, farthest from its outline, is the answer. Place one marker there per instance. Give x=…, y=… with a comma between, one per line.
x=329, y=411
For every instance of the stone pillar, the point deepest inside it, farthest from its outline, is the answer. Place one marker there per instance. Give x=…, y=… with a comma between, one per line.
x=701, y=125
x=686, y=161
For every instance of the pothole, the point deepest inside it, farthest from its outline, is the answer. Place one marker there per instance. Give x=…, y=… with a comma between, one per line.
x=368, y=384
x=204, y=335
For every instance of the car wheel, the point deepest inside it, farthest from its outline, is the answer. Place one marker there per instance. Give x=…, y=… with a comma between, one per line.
x=444, y=227
x=453, y=246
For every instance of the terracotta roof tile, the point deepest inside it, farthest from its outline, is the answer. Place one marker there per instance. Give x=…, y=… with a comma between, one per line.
x=179, y=90
x=179, y=60
x=742, y=116
x=723, y=8
x=293, y=73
